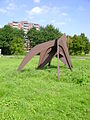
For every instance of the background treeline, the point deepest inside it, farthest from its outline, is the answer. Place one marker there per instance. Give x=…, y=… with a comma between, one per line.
x=12, y=40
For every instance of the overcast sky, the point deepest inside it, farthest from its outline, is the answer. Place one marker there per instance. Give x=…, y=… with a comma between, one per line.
x=70, y=16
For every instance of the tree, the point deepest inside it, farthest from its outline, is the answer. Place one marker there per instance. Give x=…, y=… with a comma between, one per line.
x=7, y=34
x=89, y=46
x=17, y=46
x=5, y=38
x=33, y=35
x=70, y=44
x=86, y=43
x=51, y=33
x=1, y=38
x=78, y=45
x=44, y=34
x=18, y=33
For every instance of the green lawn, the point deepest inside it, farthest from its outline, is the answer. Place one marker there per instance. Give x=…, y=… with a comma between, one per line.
x=38, y=95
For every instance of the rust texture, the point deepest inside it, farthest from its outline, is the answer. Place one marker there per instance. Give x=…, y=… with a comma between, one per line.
x=47, y=51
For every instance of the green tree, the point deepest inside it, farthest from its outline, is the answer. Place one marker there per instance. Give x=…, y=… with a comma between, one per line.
x=6, y=37
x=44, y=34
x=51, y=33
x=89, y=46
x=70, y=44
x=18, y=33
x=78, y=45
x=86, y=43
x=7, y=34
x=36, y=36
x=32, y=35
x=17, y=46
x=1, y=38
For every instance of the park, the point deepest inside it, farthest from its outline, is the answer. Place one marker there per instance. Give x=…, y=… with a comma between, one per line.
x=33, y=94
x=44, y=60
x=37, y=94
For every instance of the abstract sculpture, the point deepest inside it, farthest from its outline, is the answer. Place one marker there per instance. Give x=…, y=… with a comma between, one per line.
x=47, y=51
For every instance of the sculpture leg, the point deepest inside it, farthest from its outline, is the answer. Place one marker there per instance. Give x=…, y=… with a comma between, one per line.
x=62, y=56
x=58, y=57
x=47, y=58
x=49, y=64
x=43, y=56
x=63, y=45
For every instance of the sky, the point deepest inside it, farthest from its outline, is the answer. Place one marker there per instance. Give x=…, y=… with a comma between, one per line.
x=69, y=16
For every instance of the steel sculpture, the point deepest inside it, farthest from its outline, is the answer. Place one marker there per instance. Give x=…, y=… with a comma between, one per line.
x=47, y=51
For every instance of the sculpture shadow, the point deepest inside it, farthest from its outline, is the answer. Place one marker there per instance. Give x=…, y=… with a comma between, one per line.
x=26, y=69
x=51, y=67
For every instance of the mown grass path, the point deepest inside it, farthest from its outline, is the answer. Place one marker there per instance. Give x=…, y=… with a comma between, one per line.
x=38, y=95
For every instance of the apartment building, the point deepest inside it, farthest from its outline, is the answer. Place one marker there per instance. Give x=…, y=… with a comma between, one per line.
x=24, y=25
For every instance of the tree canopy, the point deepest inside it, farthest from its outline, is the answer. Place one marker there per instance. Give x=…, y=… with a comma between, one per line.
x=7, y=34
x=78, y=44
x=44, y=34
x=17, y=46
x=11, y=39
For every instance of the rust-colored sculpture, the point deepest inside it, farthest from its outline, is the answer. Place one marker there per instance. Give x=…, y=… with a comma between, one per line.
x=47, y=51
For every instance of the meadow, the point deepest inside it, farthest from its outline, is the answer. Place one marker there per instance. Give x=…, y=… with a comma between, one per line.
x=38, y=94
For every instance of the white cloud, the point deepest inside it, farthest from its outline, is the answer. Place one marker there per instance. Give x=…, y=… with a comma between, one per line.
x=42, y=10
x=36, y=1
x=11, y=6
x=36, y=10
x=56, y=23
x=46, y=9
x=2, y=10
x=55, y=14
x=0, y=26
x=64, y=14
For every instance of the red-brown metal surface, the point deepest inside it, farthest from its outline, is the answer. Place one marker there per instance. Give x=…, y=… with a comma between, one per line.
x=34, y=51
x=58, y=57
x=47, y=51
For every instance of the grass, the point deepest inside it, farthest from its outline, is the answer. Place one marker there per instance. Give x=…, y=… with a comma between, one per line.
x=38, y=95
